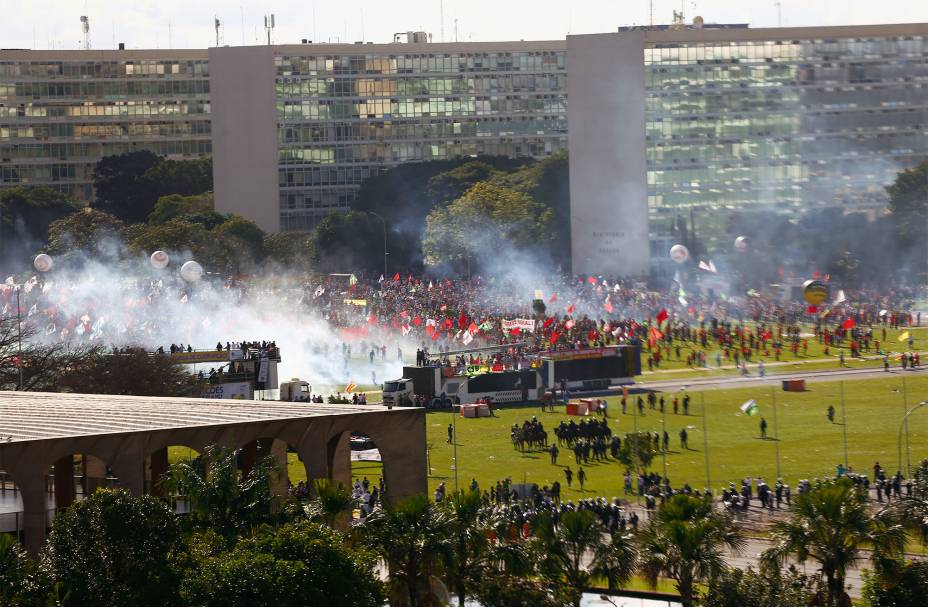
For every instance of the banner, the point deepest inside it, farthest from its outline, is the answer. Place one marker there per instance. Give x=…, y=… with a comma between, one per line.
x=262, y=373
x=201, y=356
x=579, y=354
x=238, y=391
x=524, y=324
x=355, y=302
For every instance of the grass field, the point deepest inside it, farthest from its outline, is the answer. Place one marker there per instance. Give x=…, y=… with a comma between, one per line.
x=809, y=445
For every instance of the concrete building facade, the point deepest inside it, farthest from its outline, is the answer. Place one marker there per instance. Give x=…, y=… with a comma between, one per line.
x=122, y=441
x=61, y=111
x=722, y=121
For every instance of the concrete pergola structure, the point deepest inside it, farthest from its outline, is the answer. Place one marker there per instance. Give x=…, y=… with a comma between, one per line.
x=131, y=435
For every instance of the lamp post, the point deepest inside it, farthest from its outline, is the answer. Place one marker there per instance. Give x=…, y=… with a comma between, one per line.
x=844, y=423
x=904, y=424
x=19, y=338
x=705, y=439
x=776, y=431
x=383, y=221
x=454, y=432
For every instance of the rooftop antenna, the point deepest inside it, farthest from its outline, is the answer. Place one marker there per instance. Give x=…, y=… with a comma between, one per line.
x=85, y=28
x=269, y=26
x=170, y=35
x=441, y=17
x=455, y=29
x=651, y=9
x=241, y=12
x=217, y=24
x=779, y=6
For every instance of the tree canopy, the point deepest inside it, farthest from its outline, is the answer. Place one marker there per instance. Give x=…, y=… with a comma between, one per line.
x=479, y=225
x=25, y=216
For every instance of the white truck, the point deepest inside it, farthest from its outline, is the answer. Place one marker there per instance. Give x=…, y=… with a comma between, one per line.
x=295, y=390
x=442, y=386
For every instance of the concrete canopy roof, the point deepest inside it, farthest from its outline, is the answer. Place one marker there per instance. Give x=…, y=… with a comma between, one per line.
x=34, y=416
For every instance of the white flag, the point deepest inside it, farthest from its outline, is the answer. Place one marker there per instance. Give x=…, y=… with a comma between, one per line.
x=841, y=298
x=467, y=338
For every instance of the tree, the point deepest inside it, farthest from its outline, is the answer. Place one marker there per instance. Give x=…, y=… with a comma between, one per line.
x=831, y=524
x=83, y=232
x=767, y=588
x=217, y=252
x=294, y=565
x=121, y=188
x=401, y=196
x=637, y=451
x=908, y=203
x=448, y=185
x=685, y=541
x=175, y=206
x=133, y=371
x=21, y=583
x=184, y=177
x=349, y=243
x=412, y=538
x=39, y=366
x=576, y=549
x=25, y=216
x=912, y=509
x=221, y=497
x=909, y=586
x=291, y=250
x=115, y=549
x=470, y=551
x=331, y=505
x=484, y=223
x=245, y=231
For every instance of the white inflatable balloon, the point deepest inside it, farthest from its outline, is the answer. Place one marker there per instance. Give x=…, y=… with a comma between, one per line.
x=679, y=253
x=191, y=271
x=43, y=262
x=741, y=244
x=160, y=259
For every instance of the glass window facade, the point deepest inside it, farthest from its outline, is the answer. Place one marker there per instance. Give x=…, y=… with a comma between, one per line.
x=59, y=117
x=787, y=124
x=342, y=118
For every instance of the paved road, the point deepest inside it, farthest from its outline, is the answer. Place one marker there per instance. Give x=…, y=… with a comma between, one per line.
x=750, y=381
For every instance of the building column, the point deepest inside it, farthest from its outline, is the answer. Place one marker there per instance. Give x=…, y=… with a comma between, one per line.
x=247, y=457
x=64, y=482
x=130, y=472
x=158, y=466
x=339, y=459
x=403, y=453
x=35, y=516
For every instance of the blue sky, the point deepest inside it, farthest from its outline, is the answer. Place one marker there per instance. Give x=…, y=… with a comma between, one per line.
x=45, y=24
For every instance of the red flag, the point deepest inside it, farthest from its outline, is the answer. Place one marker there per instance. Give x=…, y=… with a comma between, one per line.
x=473, y=328
x=548, y=322
x=816, y=274
x=653, y=335
x=372, y=320
x=571, y=308
x=811, y=309
x=554, y=337
x=591, y=280
x=448, y=324
x=608, y=305
x=430, y=330
x=592, y=335
x=396, y=277
x=661, y=316
x=514, y=332
x=462, y=320
x=827, y=277
x=848, y=324
x=553, y=298
x=417, y=321
x=435, y=335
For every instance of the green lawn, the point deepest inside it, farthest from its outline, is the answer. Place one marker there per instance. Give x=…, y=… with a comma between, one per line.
x=809, y=445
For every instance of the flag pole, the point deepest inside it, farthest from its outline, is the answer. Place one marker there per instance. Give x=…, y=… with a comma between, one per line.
x=776, y=429
x=637, y=472
x=844, y=423
x=705, y=440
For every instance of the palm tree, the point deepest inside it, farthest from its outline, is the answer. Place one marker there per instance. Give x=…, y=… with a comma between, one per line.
x=576, y=549
x=412, y=538
x=219, y=495
x=686, y=542
x=913, y=508
x=331, y=504
x=831, y=524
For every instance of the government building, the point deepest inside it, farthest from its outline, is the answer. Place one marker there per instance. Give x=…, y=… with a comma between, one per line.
x=690, y=122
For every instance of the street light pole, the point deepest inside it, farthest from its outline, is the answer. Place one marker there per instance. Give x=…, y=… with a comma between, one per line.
x=454, y=431
x=705, y=439
x=19, y=337
x=905, y=405
x=384, y=242
x=664, y=441
x=776, y=430
x=904, y=424
x=844, y=423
